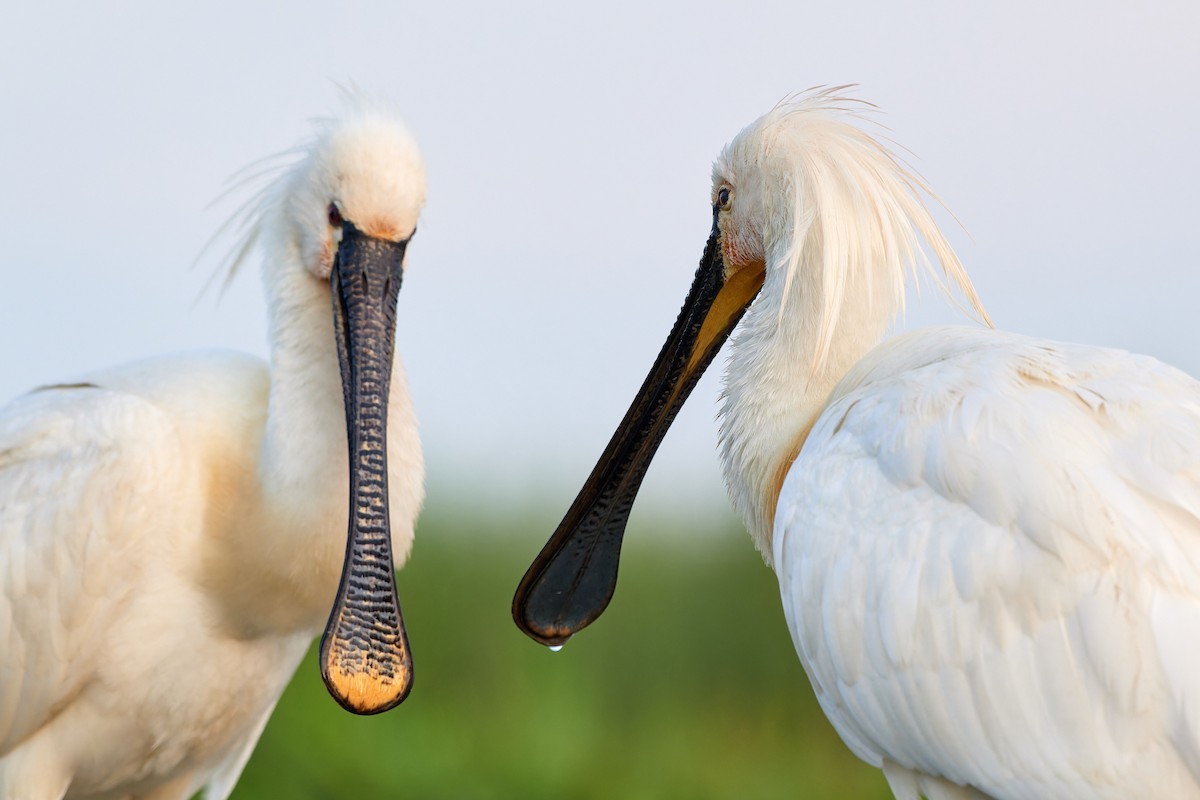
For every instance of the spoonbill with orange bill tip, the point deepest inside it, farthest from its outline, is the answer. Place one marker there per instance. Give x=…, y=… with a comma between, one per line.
x=175, y=532
x=987, y=545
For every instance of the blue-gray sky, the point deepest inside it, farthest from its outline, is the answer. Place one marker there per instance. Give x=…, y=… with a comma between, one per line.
x=568, y=152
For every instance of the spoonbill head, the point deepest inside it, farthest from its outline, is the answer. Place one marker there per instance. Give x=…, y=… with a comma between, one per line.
x=821, y=220
x=987, y=545
x=337, y=225
x=174, y=532
x=352, y=209
x=366, y=171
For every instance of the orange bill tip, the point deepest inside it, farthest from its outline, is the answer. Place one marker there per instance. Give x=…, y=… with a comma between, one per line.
x=366, y=684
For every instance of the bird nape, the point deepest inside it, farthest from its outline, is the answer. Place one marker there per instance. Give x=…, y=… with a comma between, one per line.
x=173, y=530
x=988, y=546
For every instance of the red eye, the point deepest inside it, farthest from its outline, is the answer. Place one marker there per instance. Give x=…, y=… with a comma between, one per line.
x=335, y=216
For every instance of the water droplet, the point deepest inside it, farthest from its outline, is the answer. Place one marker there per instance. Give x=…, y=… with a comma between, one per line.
x=554, y=648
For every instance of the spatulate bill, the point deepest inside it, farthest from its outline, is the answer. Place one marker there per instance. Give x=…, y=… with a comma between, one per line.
x=572, y=580
x=365, y=659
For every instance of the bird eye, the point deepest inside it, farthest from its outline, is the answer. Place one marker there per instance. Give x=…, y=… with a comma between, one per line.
x=335, y=216
x=723, y=197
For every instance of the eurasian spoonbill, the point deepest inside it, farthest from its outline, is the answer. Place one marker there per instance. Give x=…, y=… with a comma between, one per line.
x=173, y=532
x=987, y=545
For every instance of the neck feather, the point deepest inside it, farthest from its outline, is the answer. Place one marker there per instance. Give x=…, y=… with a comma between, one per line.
x=777, y=381
x=294, y=536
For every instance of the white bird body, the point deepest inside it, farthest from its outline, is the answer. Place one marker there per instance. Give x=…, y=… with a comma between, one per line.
x=988, y=552
x=172, y=531
x=988, y=546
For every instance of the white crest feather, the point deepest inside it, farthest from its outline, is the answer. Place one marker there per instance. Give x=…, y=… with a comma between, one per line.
x=838, y=221
x=849, y=208
x=267, y=179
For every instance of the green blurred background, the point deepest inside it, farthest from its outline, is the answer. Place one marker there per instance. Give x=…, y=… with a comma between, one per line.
x=687, y=687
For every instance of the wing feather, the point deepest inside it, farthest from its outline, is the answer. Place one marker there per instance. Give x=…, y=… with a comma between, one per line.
x=989, y=556
x=78, y=466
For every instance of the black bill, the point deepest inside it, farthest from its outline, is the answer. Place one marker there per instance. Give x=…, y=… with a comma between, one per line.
x=365, y=660
x=572, y=580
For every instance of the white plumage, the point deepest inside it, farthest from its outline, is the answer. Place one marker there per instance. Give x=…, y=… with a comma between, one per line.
x=172, y=531
x=988, y=554
x=988, y=546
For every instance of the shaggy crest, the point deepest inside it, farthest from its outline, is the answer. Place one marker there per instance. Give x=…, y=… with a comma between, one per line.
x=838, y=206
x=271, y=178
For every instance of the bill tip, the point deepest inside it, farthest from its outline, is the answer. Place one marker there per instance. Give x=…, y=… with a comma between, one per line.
x=367, y=691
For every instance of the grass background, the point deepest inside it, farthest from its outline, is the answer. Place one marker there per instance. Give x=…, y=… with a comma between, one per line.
x=687, y=687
